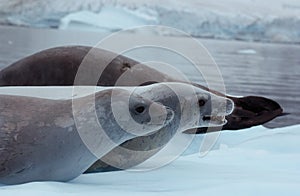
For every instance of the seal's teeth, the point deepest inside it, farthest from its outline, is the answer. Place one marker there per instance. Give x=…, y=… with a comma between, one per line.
x=214, y=118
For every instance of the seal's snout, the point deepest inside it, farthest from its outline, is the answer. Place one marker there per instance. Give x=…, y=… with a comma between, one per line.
x=229, y=106
x=160, y=114
x=219, y=108
x=151, y=113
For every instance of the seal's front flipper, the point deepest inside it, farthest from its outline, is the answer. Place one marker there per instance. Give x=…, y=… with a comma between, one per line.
x=248, y=111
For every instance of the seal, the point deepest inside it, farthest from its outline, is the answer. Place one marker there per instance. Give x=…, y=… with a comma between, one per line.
x=194, y=108
x=58, y=67
x=41, y=140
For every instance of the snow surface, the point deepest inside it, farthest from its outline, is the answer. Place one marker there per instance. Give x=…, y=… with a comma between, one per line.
x=254, y=161
x=268, y=20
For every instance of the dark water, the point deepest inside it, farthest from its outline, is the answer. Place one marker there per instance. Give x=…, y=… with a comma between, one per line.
x=273, y=70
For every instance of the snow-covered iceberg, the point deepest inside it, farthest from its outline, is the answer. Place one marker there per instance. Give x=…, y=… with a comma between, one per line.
x=271, y=21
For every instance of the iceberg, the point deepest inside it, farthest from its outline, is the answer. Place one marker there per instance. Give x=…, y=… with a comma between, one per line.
x=251, y=20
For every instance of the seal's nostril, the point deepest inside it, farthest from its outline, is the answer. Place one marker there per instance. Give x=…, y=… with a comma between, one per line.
x=140, y=109
x=201, y=102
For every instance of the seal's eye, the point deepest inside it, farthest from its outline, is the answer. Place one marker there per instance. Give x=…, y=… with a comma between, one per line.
x=140, y=109
x=201, y=102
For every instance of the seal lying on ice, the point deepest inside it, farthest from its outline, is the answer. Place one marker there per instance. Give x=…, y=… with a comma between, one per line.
x=193, y=108
x=41, y=139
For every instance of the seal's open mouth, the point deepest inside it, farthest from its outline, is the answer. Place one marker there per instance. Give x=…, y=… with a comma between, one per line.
x=215, y=120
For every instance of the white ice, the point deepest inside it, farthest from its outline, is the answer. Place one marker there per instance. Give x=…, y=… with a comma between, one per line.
x=255, y=161
x=254, y=20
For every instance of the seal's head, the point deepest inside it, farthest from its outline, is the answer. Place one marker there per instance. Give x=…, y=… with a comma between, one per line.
x=129, y=115
x=213, y=108
x=194, y=107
